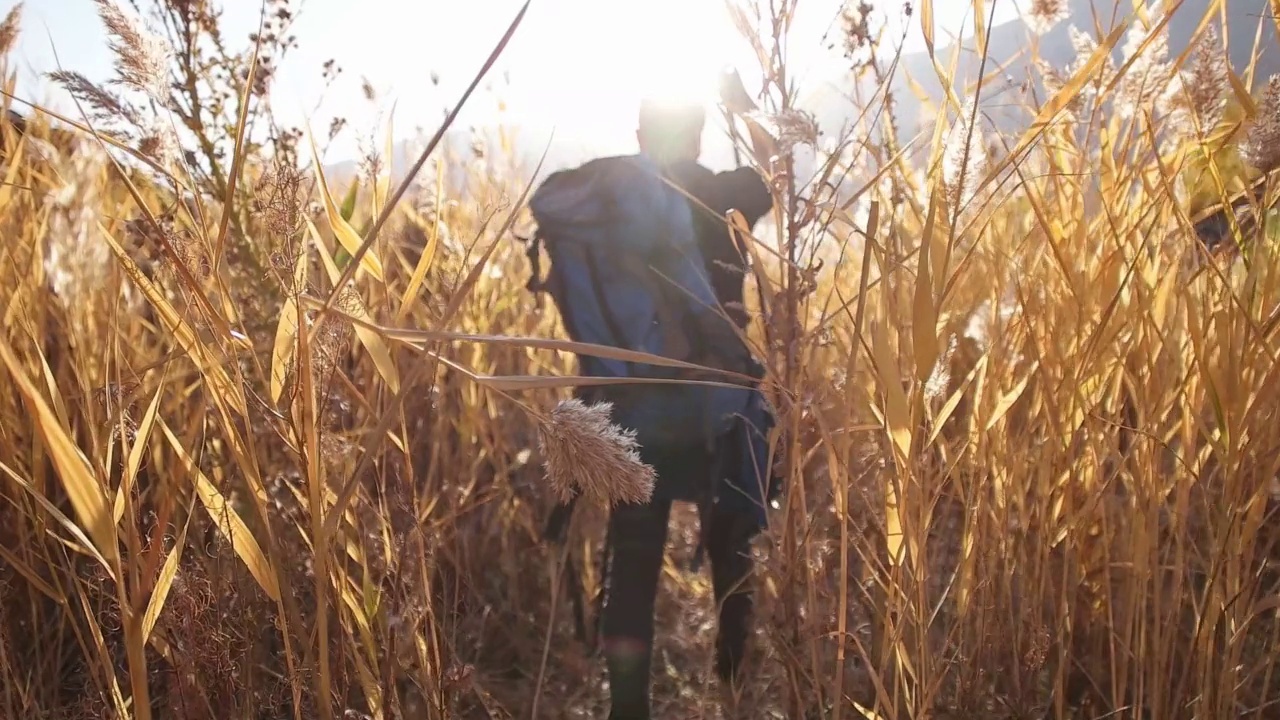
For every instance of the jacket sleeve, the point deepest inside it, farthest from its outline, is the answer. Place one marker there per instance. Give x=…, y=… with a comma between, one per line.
x=743, y=189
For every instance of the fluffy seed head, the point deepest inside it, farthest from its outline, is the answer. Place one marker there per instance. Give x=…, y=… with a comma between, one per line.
x=965, y=157
x=585, y=452
x=1261, y=147
x=142, y=58
x=1045, y=14
x=1150, y=81
x=1206, y=82
x=9, y=29
x=1085, y=46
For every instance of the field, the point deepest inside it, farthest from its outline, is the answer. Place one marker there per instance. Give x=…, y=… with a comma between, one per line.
x=271, y=445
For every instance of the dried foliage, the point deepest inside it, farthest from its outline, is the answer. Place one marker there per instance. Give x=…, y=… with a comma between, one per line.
x=1029, y=447
x=587, y=454
x=1043, y=15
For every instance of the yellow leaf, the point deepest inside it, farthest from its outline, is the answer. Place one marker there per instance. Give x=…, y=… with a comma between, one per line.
x=62, y=519
x=926, y=23
x=428, y=254
x=164, y=583
x=924, y=321
x=83, y=489
x=1060, y=100
x=229, y=523
x=1007, y=400
x=953, y=402
x=16, y=164
x=897, y=409
x=219, y=382
x=134, y=461
x=378, y=349
x=287, y=329
x=342, y=230
x=418, y=337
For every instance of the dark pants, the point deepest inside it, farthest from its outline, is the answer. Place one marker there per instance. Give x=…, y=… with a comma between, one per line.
x=637, y=536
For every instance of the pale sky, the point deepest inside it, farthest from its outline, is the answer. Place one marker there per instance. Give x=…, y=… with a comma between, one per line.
x=578, y=66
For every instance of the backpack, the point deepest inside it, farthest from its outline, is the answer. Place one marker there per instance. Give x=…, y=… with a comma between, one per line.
x=627, y=272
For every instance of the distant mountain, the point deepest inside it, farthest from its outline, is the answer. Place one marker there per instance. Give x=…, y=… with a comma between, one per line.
x=1008, y=66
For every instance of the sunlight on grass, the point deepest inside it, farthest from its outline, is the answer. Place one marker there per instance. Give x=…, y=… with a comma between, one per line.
x=272, y=443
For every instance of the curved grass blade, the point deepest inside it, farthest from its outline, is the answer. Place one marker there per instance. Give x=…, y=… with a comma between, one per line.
x=83, y=489
x=227, y=520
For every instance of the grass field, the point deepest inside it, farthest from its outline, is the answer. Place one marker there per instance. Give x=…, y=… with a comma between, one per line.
x=1030, y=429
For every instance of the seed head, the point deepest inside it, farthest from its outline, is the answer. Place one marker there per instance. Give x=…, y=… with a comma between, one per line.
x=159, y=143
x=965, y=157
x=278, y=197
x=1044, y=14
x=1150, y=81
x=585, y=452
x=9, y=29
x=1261, y=147
x=1085, y=46
x=1206, y=82
x=142, y=57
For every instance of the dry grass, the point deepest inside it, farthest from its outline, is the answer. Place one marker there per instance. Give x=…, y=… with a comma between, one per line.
x=1028, y=426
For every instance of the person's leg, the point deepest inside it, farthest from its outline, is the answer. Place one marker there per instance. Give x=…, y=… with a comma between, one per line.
x=729, y=549
x=637, y=535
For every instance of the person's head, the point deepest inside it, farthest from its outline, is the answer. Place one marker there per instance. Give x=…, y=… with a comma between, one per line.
x=670, y=133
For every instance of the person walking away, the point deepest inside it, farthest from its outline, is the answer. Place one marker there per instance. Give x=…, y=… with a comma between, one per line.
x=608, y=225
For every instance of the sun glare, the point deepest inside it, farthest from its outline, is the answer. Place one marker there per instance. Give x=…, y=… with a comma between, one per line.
x=604, y=58
x=672, y=51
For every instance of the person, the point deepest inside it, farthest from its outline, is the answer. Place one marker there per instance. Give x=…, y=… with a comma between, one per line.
x=671, y=136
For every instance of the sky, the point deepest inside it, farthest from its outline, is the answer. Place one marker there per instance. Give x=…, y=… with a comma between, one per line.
x=575, y=67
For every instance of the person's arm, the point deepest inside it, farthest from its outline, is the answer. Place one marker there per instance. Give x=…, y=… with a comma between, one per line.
x=743, y=189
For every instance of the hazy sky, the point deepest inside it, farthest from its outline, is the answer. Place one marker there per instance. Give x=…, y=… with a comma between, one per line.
x=576, y=65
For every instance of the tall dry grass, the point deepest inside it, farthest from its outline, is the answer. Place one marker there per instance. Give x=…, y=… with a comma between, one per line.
x=1027, y=424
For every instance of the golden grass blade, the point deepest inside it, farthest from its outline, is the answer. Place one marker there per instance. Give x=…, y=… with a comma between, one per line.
x=419, y=338
x=428, y=255
x=342, y=230
x=305, y=422
x=63, y=520
x=282, y=348
x=924, y=321
x=134, y=461
x=51, y=385
x=367, y=650
x=897, y=410
x=227, y=520
x=219, y=382
x=926, y=24
x=107, y=664
x=27, y=573
x=979, y=24
x=372, y=342
x=237, y=155
x=287, y=329
x=74, y=470
x=949, y=407
x=16, y=164
x=1007, y=400
x=164, y=582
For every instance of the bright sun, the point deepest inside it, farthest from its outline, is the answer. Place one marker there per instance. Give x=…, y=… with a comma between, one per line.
x=604, y=57
x=673, y=50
